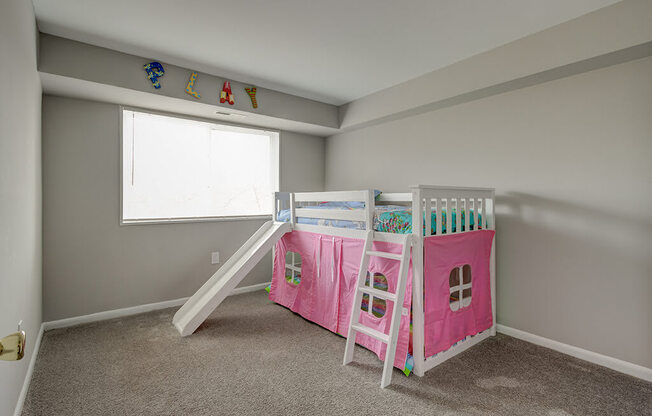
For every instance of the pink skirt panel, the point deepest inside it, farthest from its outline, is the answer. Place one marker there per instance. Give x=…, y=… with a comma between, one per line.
x=325, y=294
x=443, y=253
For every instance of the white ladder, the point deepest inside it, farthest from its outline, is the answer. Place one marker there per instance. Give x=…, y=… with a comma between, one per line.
x=397, y=298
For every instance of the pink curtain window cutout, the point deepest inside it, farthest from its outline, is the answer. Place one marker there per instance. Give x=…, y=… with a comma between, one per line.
x=298, y=298
x=444, y=326
x=329, y=272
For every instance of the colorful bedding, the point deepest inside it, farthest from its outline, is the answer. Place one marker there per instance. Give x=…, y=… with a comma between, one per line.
x=387, y=218
x=391, y=220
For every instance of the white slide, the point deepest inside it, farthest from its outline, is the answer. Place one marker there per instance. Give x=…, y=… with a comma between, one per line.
x=221, y=284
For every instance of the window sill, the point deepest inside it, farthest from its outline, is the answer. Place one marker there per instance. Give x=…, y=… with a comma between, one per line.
x=197, y=219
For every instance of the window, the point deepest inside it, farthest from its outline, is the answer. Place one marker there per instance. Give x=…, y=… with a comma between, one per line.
x=293, y=267
x=378, y=306
x=460, y=291
x=176, y=169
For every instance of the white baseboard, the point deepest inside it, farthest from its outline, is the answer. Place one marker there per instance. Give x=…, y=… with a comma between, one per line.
x=30, y=370
x=134, y=310
x=614, y=363
x=116, y=313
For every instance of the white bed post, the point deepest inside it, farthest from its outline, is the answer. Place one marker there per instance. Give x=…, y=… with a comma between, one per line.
x=274, y=205
x=417, y=281
x=275, y=209
x=370, y=209
x=492, y=264
x=292, y=213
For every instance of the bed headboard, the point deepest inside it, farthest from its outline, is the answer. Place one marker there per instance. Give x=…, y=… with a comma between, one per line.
x=478, y=201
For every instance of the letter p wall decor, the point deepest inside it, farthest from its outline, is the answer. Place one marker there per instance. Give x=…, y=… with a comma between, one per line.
x=154, y=71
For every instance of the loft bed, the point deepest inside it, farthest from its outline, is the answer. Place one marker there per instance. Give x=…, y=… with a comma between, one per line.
x=449, y=302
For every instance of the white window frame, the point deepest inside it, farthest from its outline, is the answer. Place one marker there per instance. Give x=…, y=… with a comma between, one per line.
x=219, y=124
x=293, y=266
x=370, y=308
x=462, y=302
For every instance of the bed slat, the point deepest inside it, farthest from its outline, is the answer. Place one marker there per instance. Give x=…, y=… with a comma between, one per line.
x=458, y=215
x=440, y=215
x=355, y=196
x=449, y=216
x=336, y=214
x=427, y=216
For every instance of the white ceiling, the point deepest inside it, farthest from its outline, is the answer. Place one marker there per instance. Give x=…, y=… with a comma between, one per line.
x=333, y=51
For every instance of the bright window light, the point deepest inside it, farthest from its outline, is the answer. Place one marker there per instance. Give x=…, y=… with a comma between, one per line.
x=180, y=169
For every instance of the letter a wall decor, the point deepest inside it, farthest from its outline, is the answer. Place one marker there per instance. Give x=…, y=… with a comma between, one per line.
x=191, y=84
x=226, y=94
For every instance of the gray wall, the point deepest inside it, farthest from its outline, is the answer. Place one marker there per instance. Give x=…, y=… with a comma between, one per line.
x=90, y=262
x=570, y=161
x=594, y=40
x=20, y=189
x=65, y=57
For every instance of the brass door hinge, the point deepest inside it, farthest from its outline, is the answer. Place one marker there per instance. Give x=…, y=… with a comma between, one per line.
x=12, y=347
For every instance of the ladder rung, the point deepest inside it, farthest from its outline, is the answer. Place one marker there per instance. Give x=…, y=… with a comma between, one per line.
x=385, y=255
x=381, y=294
x=371, y=332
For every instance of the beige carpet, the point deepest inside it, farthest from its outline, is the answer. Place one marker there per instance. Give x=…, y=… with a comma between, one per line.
x=253, y=357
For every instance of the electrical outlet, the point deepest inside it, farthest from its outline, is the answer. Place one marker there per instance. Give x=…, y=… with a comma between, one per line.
x=215, y=257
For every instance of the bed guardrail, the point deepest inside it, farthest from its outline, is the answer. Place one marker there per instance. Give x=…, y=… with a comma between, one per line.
x=303, y=205
x=477, y=204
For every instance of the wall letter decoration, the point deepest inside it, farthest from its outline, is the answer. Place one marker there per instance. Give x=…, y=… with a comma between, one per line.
x=252, y=94
x=154, y=71
x=226, y=94
x=191, y=84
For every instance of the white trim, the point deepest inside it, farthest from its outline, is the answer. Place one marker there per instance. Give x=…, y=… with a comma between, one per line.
x=195, y=219
x=461, y=346
x=115, y=313
x=28, y=376
x=135, y=310
x=625, y=367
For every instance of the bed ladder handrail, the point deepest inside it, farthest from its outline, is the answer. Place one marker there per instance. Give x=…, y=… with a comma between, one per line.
x=355, y=327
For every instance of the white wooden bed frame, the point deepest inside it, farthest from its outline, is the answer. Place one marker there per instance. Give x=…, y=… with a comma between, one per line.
x=423, y=199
